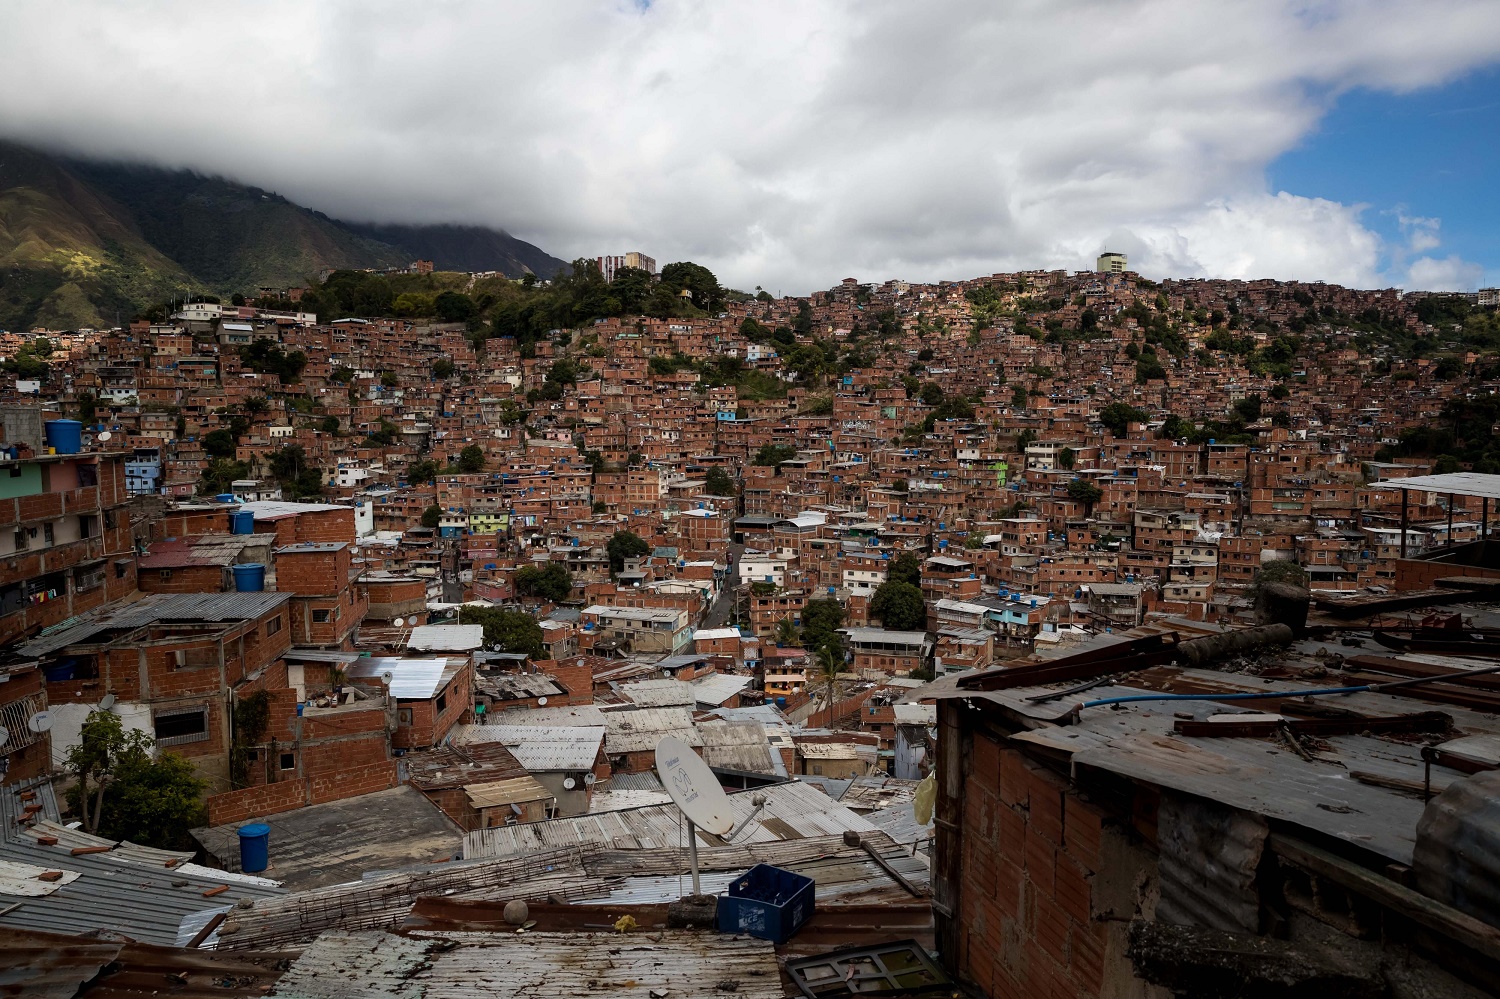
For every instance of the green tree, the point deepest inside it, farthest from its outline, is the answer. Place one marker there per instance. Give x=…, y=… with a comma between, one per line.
x=219, y=443
x=1085, y=492
x=330, y=425
x=828, y=662
x=1249, y=408
x=1281, y=570
x=122, y=792
x=422, y=472
x=454, y=307
x=698, y=280
x=632, y=288
x=905, y=568
x=820, y=622
x=899, y=606
x=786, y=631
x=219, y=475
x=298, y=478
x=1117, y=417
x=625, y=545
x=1066, y=458
x=1445, y=464
x=506, y=630
x=550, y=582
x=432, y=516
x=718, y=482
x=600, y=506
x=389, y=379
x=471, y=459
x=774, y=455
x=443, y=367
x=88, y=408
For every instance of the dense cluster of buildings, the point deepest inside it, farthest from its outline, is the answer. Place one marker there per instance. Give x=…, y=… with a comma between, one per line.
x=275, y=542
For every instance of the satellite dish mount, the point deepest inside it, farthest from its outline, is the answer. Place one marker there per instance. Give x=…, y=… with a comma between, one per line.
x=696, y=791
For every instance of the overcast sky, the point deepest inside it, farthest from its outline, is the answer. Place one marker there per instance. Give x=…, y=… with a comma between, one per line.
x=783, y=144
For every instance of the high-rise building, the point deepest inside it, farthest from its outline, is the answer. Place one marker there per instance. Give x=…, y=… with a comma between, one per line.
x=609, y=265
x=1111, y=263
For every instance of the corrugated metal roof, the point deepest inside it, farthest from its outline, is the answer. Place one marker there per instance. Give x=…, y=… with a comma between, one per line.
x=540, y=749
x=792, y=811
x=680, y=963
x=446, y=637
x=506, y=792
x=717, y=688
x=195, y=607
x=736, y=745
x=145, y=901
x=640, y=730
x=660, y=693
x=416, y=679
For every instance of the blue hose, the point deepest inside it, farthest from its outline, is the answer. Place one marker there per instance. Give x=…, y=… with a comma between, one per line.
x=1226, y=697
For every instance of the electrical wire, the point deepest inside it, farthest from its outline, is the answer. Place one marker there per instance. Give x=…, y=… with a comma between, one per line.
x=1266, y=695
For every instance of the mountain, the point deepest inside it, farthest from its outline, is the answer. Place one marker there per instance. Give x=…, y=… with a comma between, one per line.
x=87, y=243
x=465, y=248
x=69, y=255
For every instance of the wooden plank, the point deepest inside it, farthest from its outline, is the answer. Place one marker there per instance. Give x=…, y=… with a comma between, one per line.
x=216, y=891
x=1457, y=926
x=1392, y=783
x=79, y=851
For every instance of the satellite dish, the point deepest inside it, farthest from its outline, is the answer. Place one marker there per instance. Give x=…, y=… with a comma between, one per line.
x=104, y=435
x=693, y=786
x=589, y=779
x=107, y=702
x=569, y=783
x=40, y=722
x=4, y=735
x=541, y=701
x=399, y=621
x=388, y=676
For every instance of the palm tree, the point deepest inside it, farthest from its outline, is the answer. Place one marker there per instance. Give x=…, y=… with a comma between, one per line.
x=786, y=632
x=830, y=663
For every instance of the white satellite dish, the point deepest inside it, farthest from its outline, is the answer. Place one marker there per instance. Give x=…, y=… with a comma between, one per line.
x=104, y=435
x=399, y=621
x=541, y=702
x=589, y=779
x=388, y=676
x=569, y=783
x=40, y=722
x=107, y=702
x=693, y=786
x=4, y=735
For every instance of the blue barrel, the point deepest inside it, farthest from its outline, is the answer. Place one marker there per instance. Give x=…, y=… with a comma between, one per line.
x=64, y=436
x=250, y=577
x=255, y=847
x=224, y=498
x=242, y=522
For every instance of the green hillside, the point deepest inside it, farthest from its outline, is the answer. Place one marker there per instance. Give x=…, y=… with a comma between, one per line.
x=87, y=243
x=69, y=256
x=233, y=237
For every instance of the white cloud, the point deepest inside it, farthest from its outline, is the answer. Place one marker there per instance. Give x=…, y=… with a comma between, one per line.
x=1448, y=274
x=787, y=143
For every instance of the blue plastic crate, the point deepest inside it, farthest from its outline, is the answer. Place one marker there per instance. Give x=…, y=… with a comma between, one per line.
x=767, y=902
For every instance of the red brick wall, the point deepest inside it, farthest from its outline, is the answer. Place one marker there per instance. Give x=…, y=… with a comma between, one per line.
x=183, y=579
x=1031, y=849
x=340, y=784
x=267, y=799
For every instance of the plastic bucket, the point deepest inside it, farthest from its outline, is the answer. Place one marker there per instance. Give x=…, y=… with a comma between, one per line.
x=64, y=436
x=250, y=577
x=255, y=847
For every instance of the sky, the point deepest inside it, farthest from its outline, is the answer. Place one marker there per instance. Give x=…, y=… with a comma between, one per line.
x=788, y=144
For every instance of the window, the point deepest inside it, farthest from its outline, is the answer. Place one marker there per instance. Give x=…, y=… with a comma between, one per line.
x=320, y=617
x=179, y=726
x=47, y=534
x=442, y=701
x=288, y=761
x=164, y=574
x=403, y=716
x=273, y=626
x=122, y=566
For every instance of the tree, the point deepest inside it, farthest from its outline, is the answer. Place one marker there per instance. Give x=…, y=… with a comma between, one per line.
x=1281, y=570
x=786, y=631
x=122, y=792
x=1085, y=492
x=421, y=472
x=256, y=405
x=820, y=622
x=905, y=568
x=432, y=516
x=774, y=455
x=829, y=661
x=1117, y=417
x=471, y=459
x=219, y=443
x=1445, y=464
x=600, y=506
x=550, y=582
x=443, y=367
x=220, y=474
x=1249, y=407
x=932, y=394
x=330, y=425
x=624, y=545
x=899, y=606
x=454, y=307
x=718, y=482
x=698, y=280
x=632, y=288
x=389, y=379
x=506, y=630
x=1066, y=458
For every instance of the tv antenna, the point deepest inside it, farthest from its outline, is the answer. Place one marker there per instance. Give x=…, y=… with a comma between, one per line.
x=697, y=793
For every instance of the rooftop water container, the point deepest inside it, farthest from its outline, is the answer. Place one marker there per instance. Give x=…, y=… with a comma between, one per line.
x=250, y=577
x=64, y=436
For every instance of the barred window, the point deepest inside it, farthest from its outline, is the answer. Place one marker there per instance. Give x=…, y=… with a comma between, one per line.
x=178, y=726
